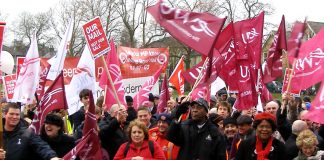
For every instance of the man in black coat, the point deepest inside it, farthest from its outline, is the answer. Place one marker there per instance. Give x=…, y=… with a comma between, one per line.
x=198, y=138
x=291, y=147
x=19, y=141
x=113, y=132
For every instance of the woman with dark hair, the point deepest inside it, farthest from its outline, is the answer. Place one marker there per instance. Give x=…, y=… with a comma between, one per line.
x=52, y=132
x=139, y=147
x=262, y=146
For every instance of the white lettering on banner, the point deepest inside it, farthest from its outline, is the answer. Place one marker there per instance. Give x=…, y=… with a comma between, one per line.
x=246, y=93
x=198, y=24
x=249, y=37
x=246, y=73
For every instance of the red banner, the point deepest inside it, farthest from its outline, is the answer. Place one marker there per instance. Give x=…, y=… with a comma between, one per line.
x=141, y=62
x=96, y=37
x=2, y=26
x=20, y=61
x=9, y=82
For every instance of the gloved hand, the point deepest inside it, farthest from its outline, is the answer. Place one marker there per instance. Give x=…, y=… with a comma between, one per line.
x=182, y=108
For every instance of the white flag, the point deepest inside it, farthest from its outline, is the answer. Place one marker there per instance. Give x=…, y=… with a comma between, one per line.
x=28, y=76
x=84, y=78
x=217, y=85
x=57, y=62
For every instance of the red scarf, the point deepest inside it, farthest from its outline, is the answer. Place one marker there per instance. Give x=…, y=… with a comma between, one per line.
x=263, y=154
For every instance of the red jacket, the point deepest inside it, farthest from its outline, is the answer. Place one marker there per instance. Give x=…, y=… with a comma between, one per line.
x=144, y=152
x=170, y=150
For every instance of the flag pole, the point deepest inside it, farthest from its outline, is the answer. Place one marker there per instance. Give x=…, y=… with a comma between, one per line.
x=110, y=81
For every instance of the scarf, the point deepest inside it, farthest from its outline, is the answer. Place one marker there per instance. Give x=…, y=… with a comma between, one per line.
x=263, y=154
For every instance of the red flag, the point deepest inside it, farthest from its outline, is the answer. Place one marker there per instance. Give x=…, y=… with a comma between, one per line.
x=84, y=149
x=202, y=91
x=164, y=96
x=316, y=111
x=225, y=44
x=115, y=73
x=2, y=26
x=295, y=40
x=309, y=64
x=54, y=98
x=89, y=146
x=196, y=30
x=142, y=96
x=273, y=66
x=176, y=78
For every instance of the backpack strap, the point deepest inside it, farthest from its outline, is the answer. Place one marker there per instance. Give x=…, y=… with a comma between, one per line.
x=126, y=149
x=150, y=144
x=151, y=147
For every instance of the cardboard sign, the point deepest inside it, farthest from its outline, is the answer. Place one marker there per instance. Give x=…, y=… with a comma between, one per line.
x=9, y=85
x=96, y=37
x=285, y=83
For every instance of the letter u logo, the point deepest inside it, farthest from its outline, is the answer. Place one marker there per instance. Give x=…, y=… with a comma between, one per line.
x=244, y=72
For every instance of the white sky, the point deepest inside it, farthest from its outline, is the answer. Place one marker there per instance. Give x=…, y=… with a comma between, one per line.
x=292, y=9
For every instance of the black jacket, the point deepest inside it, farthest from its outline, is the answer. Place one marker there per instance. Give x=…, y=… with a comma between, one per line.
x=291, y=147
x=205, y=143
x=22, y=143
x=112, y=136
x=246, y=150
x=62, y=144
x=77, y=118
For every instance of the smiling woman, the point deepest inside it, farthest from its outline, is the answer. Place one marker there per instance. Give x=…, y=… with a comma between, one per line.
x=263, y=145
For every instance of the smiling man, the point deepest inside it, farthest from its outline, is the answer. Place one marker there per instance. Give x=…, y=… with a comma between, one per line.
x=20, y=142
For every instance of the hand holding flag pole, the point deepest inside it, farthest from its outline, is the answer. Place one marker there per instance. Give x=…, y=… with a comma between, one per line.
x=198, y=80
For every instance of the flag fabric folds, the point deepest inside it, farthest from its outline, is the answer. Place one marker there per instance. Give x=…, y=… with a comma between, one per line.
x=115, y=73
x=89, y=145
x=28, y=76
x=176, y=78
x=164, y=96
x=54, y=98
x=57, y=62
x=196, y=30
x=273, y=65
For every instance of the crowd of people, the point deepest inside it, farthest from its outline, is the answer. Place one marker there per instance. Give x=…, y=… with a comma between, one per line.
x=197, y=129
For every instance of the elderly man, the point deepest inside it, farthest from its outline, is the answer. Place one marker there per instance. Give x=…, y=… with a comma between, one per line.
x=113, y=133
x=198, y=137
x=271, y=107
x=291, y=147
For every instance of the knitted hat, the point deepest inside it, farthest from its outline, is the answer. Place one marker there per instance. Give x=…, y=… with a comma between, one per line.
x=229, y=120
x=265, y=115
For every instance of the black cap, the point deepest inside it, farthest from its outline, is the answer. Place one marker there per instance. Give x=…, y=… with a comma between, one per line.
x=244, y=119
x=165, y=117
x=54, y=119
x=201, y=102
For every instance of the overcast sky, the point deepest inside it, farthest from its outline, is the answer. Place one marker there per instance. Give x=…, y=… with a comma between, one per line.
x=292, y=9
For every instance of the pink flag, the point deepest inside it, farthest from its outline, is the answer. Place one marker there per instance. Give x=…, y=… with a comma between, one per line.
x=54, y=98
x=196, y=30
x=176, y=78
x=316, y=111
x=142, y=96
x=164, y=96
x=114, y=70
x=273, y=67
x=309, y=64
x=295, y=40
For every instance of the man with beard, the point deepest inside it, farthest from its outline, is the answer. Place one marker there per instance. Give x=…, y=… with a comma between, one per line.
x=198, y=137
x=158, y=134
